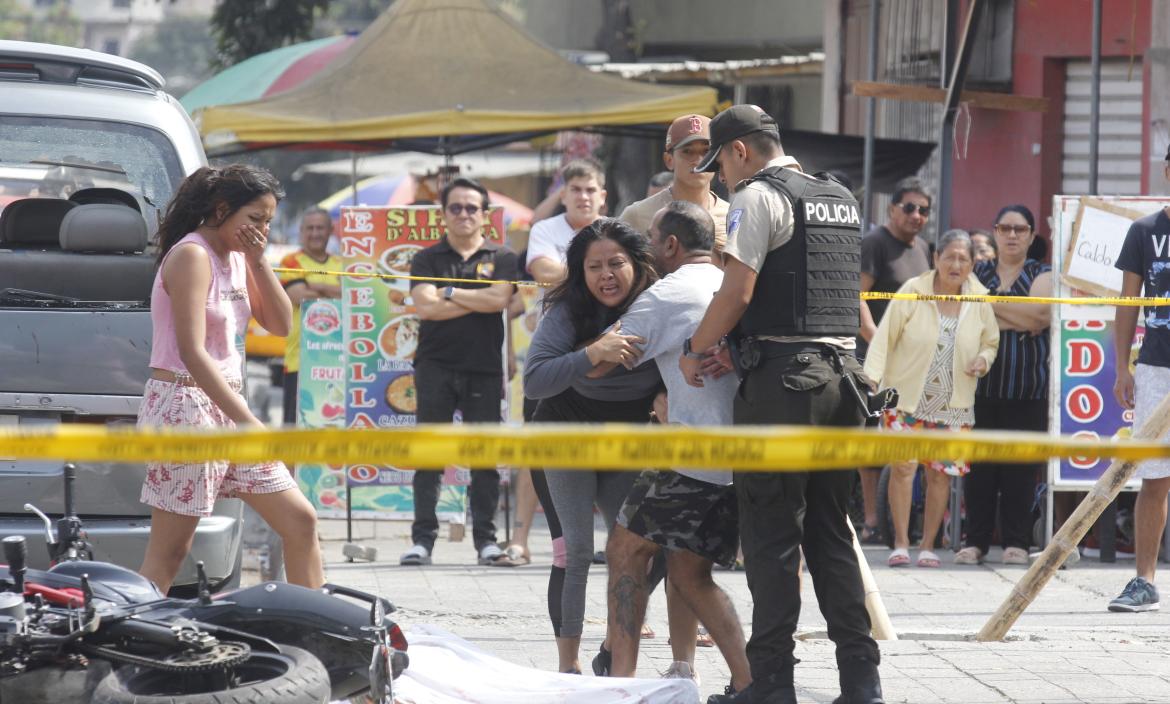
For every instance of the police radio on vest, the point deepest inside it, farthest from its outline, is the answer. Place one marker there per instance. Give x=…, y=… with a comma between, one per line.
x=831, y=213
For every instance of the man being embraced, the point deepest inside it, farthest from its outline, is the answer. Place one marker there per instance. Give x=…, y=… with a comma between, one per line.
x=691, y=513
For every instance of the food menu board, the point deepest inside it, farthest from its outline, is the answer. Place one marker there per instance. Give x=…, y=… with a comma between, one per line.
x=1082, y=357
x=381, y=329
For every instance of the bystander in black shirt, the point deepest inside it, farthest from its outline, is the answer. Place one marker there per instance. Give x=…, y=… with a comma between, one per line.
x=473, y=342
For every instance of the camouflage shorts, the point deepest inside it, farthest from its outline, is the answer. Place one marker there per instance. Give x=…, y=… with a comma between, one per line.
x=681, y=513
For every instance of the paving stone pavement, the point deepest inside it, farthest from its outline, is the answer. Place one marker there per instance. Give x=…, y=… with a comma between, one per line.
x=1066, y=647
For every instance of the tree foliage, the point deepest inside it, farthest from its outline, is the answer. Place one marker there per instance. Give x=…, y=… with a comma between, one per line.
x=55, y=24
x=349, y=16
x=180, y=49
x=244, y=28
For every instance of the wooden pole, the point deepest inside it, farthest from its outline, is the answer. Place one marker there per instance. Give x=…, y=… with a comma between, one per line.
x=879, y=620
x=1069, y=536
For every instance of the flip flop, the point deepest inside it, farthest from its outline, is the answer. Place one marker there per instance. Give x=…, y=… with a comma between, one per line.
x=928, y=559
x=900, y=557
x=647, y=631
x=703, y=639
x=870, y=535
x=518, y=555
x=492, y=556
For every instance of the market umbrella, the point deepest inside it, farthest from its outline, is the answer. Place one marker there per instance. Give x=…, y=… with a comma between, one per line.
x=401, y=189
x=267, y=74
x=441, y=69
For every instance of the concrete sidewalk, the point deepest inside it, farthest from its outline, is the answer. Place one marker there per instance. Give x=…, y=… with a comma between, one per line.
x=1066, y=648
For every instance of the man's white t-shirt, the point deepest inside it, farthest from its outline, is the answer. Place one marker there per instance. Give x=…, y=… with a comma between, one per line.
x=666, y=314
x=549, y=239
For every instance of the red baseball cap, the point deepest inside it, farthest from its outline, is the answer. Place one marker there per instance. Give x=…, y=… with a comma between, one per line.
x=687, y=129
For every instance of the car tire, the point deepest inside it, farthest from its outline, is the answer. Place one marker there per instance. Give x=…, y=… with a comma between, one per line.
x=291, y=676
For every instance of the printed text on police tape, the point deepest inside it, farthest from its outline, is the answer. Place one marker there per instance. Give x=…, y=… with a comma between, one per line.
x=567, y=446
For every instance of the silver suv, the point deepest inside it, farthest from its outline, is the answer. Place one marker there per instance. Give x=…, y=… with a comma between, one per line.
x=91, y=150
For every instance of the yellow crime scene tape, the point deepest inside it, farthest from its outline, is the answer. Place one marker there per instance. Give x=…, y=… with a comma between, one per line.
x=865, y=296
x=603, y=446
x=1043, y=300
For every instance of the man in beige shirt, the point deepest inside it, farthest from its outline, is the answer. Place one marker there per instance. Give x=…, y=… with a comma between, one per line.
x=687, y=141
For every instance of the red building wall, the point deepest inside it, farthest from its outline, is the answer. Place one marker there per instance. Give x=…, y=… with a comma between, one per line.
x=1001, y=165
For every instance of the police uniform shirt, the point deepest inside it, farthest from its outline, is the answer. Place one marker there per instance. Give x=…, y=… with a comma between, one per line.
x=759, y=220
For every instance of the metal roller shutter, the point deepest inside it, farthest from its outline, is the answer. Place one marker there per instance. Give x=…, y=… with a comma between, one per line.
x=1119, y=165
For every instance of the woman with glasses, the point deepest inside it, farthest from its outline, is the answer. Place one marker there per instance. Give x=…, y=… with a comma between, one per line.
x=933, y=352
x=1014, y=394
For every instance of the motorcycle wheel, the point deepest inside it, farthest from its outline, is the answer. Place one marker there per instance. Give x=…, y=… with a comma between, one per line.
x=292, y=676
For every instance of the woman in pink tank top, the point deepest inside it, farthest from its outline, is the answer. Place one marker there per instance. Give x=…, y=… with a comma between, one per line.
x=212, y=276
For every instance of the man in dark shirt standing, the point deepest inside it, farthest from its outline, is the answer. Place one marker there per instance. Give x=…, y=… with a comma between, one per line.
x=891, y=255
x=459, y=362
x=1145, y=262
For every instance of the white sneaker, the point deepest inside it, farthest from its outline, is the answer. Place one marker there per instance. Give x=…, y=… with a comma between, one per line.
x=417, y=555
x=682, y=671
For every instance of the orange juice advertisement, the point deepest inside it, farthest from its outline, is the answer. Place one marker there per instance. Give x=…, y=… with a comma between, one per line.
x=381, y=332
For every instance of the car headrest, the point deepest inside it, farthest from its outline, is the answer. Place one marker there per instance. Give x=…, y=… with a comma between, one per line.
x=103, y=228
x=111, y=196
x=34, y=221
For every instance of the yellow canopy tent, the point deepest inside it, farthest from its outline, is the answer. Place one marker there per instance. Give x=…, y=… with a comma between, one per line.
x=429, y=68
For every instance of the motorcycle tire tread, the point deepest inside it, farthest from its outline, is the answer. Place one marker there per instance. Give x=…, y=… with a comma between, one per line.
x=306, y=682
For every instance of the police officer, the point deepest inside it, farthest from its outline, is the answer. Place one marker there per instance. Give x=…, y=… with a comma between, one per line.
x=790, y=305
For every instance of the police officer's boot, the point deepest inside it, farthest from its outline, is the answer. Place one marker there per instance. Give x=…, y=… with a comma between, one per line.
x=776, y=688
x=860, y=682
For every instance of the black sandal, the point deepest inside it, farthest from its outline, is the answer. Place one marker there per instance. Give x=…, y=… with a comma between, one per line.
x=602, y=662
x=871, y=535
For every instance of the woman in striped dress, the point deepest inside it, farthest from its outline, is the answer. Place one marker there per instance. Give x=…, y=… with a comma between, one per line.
x=1013, y=395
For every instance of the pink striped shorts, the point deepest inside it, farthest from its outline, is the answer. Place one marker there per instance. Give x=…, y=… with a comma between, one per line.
x=190, y=489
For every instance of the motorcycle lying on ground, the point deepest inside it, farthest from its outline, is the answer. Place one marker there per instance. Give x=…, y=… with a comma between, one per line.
x=89, y=631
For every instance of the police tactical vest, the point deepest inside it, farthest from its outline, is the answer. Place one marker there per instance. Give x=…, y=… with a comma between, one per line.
x=811, y=285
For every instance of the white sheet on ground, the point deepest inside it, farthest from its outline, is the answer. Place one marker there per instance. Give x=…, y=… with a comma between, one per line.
x=445, y=669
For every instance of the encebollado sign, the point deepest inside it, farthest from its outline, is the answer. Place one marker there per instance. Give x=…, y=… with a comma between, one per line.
x=381, y=335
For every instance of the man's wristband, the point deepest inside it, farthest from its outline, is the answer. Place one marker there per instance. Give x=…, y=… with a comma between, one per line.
x=448, y=293
x=688, y=353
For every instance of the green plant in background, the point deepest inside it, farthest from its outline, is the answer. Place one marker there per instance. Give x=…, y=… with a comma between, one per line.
x=53, y=24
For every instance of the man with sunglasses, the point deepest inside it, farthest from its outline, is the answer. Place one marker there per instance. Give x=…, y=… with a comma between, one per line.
x=891, y=255
x=459, y=362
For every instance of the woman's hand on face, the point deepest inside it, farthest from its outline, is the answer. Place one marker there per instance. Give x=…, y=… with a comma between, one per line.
x=977, y=367
x=252, y=242
x=615, y=347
